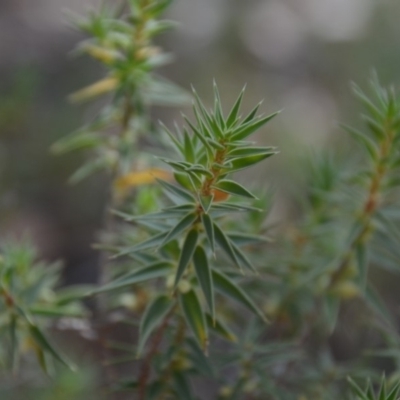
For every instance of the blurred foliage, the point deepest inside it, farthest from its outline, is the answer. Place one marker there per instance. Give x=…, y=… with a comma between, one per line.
x=194, y=254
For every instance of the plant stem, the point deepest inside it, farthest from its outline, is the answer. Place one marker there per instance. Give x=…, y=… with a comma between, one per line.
x=371, y=205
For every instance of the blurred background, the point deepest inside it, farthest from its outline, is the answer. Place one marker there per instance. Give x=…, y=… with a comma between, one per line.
x=297, y=55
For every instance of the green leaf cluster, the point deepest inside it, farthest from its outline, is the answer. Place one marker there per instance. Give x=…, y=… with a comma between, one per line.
x=28, y=299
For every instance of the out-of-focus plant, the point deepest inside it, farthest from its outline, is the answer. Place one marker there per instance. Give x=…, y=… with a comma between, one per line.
x=121, y=39
x=28, y=299
x=193, y=269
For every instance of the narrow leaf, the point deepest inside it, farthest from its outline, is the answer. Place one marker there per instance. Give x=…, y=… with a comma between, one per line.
x=235, y=110
x=194, y=317
x=204, y=276
x=240, y=163
x=247, y=129
x=156, y=270
x=226, y=286
x=225, y=244
x=183, y=224
x=209, y=229
x=188, y=249
x=153, y=317
x=206, y=202
x=184, y=194
x=220, y=329
x=44, y=344
x=153, y=241
x=232, y=187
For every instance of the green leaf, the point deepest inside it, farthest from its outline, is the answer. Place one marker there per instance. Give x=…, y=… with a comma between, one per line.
x=158, y=7
x=188, y=249
x=220, y=329
x=194, y=317
x=159, y=91
x=209, y=229
x=77, y=141
x=238, y=164
x=243, y=239
x=244, y=261
x=394, y=392
x=376, y=303
x=225, y=244
x=226, y=286
x=182, y=386
x=331, y=306
x=215, y=144
x=184, y=194
x=206, y=202
x=363, y=139
x=199, y=135
x=252, y=151
x=183, y=224
x=368, y=104
x=188, y=146
x=362, y=264
x=72, y=293
x=153, y=241
x=217, y=107
x=198, y=360
x=44, y=344
x=252, y=114
x=233, y=115
x=153, y=271
x=174, y=140
x=247, y=129
x=88, y=169
x=153, y=317
x=357, y=390
x=382, y=391
x=232, y=187
x=56, y=312
x=233, y=207
x=204, y=276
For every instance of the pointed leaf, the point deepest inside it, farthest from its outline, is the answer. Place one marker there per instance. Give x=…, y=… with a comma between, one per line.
x=188, y=249
x=226, y=286
x=238, y=164
x=232, y=187
x=182, y=386
x=153, y=317
x=199, y=361
x=174, y=140
x=199, y=135
x=247, y=129
x=188, y=146
x=357, y=390
x=217, y=107
x=394, y=392
x=235, y=110
x=45, y=345
x=183, y=224
x=194, y=317
x=220, y=329
x=184, y=194
x=204, y=277
x=206, y=202
x=225, y=244
x=252, y=114
x=154, y=241
x=153, y=271
x=209, y=229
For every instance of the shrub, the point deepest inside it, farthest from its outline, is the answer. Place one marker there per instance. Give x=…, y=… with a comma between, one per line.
x=220, y=311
